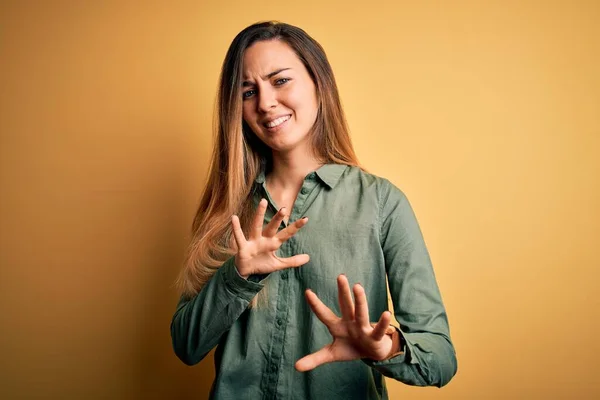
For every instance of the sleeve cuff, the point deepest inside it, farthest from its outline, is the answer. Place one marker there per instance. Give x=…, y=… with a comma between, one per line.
x=395, y=358
x=239, y=286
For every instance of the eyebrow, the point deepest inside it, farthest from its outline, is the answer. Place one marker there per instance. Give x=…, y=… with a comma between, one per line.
x=268, y=76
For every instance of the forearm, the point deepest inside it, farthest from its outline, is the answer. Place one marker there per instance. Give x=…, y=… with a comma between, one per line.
x=429, y=359
x=199, y=323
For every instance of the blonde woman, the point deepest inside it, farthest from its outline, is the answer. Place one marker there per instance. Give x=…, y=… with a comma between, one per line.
x=293, y=243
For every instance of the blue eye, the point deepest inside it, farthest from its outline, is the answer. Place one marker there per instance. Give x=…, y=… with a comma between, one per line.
x=247, y=94
x=282, y=81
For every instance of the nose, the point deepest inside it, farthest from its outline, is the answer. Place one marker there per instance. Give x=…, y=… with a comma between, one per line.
x=267, y=99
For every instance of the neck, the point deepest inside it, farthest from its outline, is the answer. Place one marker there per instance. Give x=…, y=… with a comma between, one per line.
x=289, y=170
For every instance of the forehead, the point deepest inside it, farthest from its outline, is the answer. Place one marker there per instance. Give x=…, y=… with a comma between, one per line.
x=267, y=56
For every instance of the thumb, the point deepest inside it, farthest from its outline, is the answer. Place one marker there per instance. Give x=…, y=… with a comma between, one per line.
x=313, y=360
x=295, y=261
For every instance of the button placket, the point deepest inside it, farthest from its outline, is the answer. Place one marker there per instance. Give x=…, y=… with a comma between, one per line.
x=279, y=325
x=304, y=195
x=282, y=307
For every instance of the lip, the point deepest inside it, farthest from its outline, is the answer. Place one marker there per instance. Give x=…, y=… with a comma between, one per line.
x=278, y=127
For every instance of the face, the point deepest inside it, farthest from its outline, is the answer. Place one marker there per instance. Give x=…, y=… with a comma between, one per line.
x=279, y=97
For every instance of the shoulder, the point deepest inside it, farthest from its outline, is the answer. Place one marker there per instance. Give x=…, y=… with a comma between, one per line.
x=383, y=187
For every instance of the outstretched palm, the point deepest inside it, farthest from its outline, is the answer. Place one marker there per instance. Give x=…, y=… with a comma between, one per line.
x=354, y=336
x=256, y=255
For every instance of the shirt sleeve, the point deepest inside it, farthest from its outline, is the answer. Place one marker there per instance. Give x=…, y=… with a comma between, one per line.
x=429, y=358
x=199, y=323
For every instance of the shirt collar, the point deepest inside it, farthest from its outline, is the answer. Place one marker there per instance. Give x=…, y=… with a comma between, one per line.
x=330, y=174
x=260, y=178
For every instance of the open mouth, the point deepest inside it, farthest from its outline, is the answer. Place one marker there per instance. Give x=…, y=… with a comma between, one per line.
x=276, y=123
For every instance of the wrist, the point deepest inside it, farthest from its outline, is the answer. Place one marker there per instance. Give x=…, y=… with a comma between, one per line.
x=237, y=269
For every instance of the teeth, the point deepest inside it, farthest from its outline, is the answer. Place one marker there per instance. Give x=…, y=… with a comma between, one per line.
x=277, y=122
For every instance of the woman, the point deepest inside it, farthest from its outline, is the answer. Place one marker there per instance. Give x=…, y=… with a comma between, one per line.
x=288, y=213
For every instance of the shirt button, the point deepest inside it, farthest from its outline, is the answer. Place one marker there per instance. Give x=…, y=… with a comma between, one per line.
x=284, y=275
x=304, y=190
x=279, y=322
x=273, y=368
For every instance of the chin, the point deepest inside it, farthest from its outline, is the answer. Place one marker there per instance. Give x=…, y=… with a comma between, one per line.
x=284, y=140
x=281, y=148
x=287, y=145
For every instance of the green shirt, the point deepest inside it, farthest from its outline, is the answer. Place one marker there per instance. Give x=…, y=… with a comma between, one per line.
x=360, y=225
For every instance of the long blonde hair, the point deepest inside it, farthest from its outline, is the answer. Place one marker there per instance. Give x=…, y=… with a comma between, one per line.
x=238, y=155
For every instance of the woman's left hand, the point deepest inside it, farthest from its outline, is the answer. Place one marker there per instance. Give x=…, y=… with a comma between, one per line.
x=354, y=336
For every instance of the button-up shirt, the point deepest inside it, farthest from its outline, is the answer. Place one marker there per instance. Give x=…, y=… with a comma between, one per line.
x=359, y=225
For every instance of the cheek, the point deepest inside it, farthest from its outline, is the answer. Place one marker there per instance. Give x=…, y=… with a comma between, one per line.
x=245, y=112
x=310, y=100
x=304, y=102
x=310, y=106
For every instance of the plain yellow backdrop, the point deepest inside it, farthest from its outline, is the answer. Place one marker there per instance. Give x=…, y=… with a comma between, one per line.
x=485, y=113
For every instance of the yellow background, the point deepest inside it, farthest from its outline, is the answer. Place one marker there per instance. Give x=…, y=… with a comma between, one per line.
x=487, y=114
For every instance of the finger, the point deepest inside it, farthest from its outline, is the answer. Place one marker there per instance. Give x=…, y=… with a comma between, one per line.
x=291, y=229
x=313, y=360
x=345, y=298
x=294, y=261
x=273, y=226
x=238, y=235
x=382, y=325
x=322, y=312
x=257, y=222
x=361, y=307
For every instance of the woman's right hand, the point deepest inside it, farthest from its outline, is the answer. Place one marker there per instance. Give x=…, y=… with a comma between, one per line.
x=256, y=255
